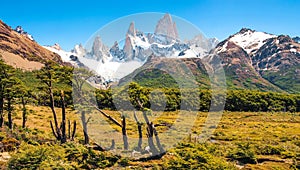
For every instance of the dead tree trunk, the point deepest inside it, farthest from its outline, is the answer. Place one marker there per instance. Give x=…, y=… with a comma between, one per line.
x=9, y=108
x=60, y=133
x=125, y=139
x=112, y=146
x=139, y=125
x=153, y=149
x=85, y=129
x=1, y=108
x=63, y=115
x=69, y=129
x=161, y=149
x=74, y=131
x=57, y=129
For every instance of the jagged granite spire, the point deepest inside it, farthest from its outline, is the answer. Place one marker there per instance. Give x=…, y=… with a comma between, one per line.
x=99, y=50
x=166, y=26
x=128, y=49
x=131, y=30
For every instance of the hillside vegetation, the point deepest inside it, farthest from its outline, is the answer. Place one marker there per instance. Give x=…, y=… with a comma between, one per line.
x=42, y=127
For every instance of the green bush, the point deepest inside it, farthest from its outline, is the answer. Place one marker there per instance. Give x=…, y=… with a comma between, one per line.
x=10, y=144
x=190, y=156
x=37, y=157
x=270, y=150
x=244, y=153
x=67, y=156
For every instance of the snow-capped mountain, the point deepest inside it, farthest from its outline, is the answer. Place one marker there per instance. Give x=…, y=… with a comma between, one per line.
x=164, y=42
x=79, y=50
x=257, y=56
x=100, y=52
x=248, y=39
x=262, y=48
x=117, y=61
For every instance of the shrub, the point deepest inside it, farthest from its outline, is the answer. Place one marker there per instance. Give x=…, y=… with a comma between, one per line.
x=270, y=150
x=36, y=157
x=189, y=156
x=67, y=156
x=243, y=153
x=10, y=144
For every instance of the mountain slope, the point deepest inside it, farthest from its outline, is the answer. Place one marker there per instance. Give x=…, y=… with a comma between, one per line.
x=239, y=72
x=170, y=73
x=20, y=51
x=251, y=60
x=278, y=61
x=270, y=62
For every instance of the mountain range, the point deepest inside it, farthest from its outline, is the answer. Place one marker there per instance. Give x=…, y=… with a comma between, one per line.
x=251, y=59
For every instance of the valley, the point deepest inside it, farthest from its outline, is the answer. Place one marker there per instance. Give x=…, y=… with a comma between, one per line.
x=150, y=100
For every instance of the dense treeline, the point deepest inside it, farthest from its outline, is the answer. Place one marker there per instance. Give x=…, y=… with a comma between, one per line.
x=172, y=99
x=169, y=99
x=19, y=87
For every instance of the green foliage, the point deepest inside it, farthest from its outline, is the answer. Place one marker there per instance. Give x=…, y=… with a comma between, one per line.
x=194, y=156
x=243, y=153
x=155, y=78
x=270, y=150
x=57, y=78
x=10, y=144
x=246, y=100
x=124, y=162
x=87, y=158
x=290, y=82
x=37, y=157
x=236, y=100
x=67, y=156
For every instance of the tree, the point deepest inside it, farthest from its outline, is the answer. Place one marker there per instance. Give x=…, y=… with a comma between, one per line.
x=10, y=94
x=139, y=96
x=80, y=76
x=51, y=75
x=6, y=73
x=25, y=96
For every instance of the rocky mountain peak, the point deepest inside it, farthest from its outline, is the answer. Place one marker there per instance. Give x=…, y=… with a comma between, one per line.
x=79, y=50
x=250, y=40
x=128, y=49
x=284, y=39
x=21, y=31
x=244, y=30
x=167, y=27
x=296, y=39
x=131, y=31
x=99, y=50
x=56, y=46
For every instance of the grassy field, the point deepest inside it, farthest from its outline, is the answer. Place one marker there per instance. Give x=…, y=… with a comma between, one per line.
x=241, y=140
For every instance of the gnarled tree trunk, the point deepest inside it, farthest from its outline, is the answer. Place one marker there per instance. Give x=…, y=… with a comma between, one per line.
x=125, y=139
x=139, y=125
x=9, y=108
x=85, y=129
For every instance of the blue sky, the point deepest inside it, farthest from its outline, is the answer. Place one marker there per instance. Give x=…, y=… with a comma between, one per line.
x=73, y=22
